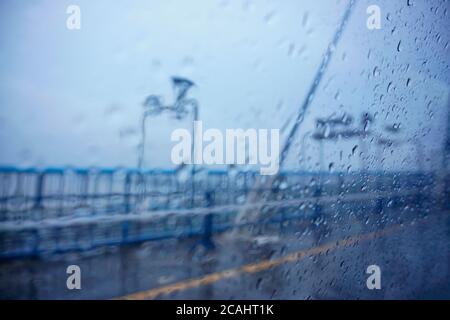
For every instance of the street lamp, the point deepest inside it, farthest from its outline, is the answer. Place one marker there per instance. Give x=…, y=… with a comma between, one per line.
x=326, y=130
x=180, y=108
x=154, y=106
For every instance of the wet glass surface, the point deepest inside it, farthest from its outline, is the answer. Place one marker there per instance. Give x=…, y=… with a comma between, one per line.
x=91, y=95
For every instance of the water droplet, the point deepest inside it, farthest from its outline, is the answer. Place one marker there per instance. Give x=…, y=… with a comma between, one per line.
x=399, y=48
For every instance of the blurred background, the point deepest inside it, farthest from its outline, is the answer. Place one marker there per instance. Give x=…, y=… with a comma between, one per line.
x=85, y=171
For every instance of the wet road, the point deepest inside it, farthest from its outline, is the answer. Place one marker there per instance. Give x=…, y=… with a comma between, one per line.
x=293, y=260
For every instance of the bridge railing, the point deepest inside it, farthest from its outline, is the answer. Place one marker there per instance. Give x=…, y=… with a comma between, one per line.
x=31, y=194
x=56, y=210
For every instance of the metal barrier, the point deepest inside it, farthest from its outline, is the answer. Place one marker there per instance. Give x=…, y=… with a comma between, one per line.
x=57, y=210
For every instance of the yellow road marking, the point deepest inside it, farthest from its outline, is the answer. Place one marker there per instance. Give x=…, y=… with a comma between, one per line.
x=259, y=266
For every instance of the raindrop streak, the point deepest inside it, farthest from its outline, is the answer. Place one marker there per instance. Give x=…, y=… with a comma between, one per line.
x=408, y=82
x=305, y=19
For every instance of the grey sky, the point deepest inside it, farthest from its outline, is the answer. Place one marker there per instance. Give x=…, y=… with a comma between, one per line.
x=74, y=97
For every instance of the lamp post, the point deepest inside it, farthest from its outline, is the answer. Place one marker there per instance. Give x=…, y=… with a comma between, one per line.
x=325, y=130
x=153, y=106
x=303, y=148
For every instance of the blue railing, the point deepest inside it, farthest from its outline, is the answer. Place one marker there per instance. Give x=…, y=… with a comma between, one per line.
x=63, y=209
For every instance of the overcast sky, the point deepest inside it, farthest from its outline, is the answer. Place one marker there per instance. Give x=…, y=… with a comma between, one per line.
x=74, y=97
